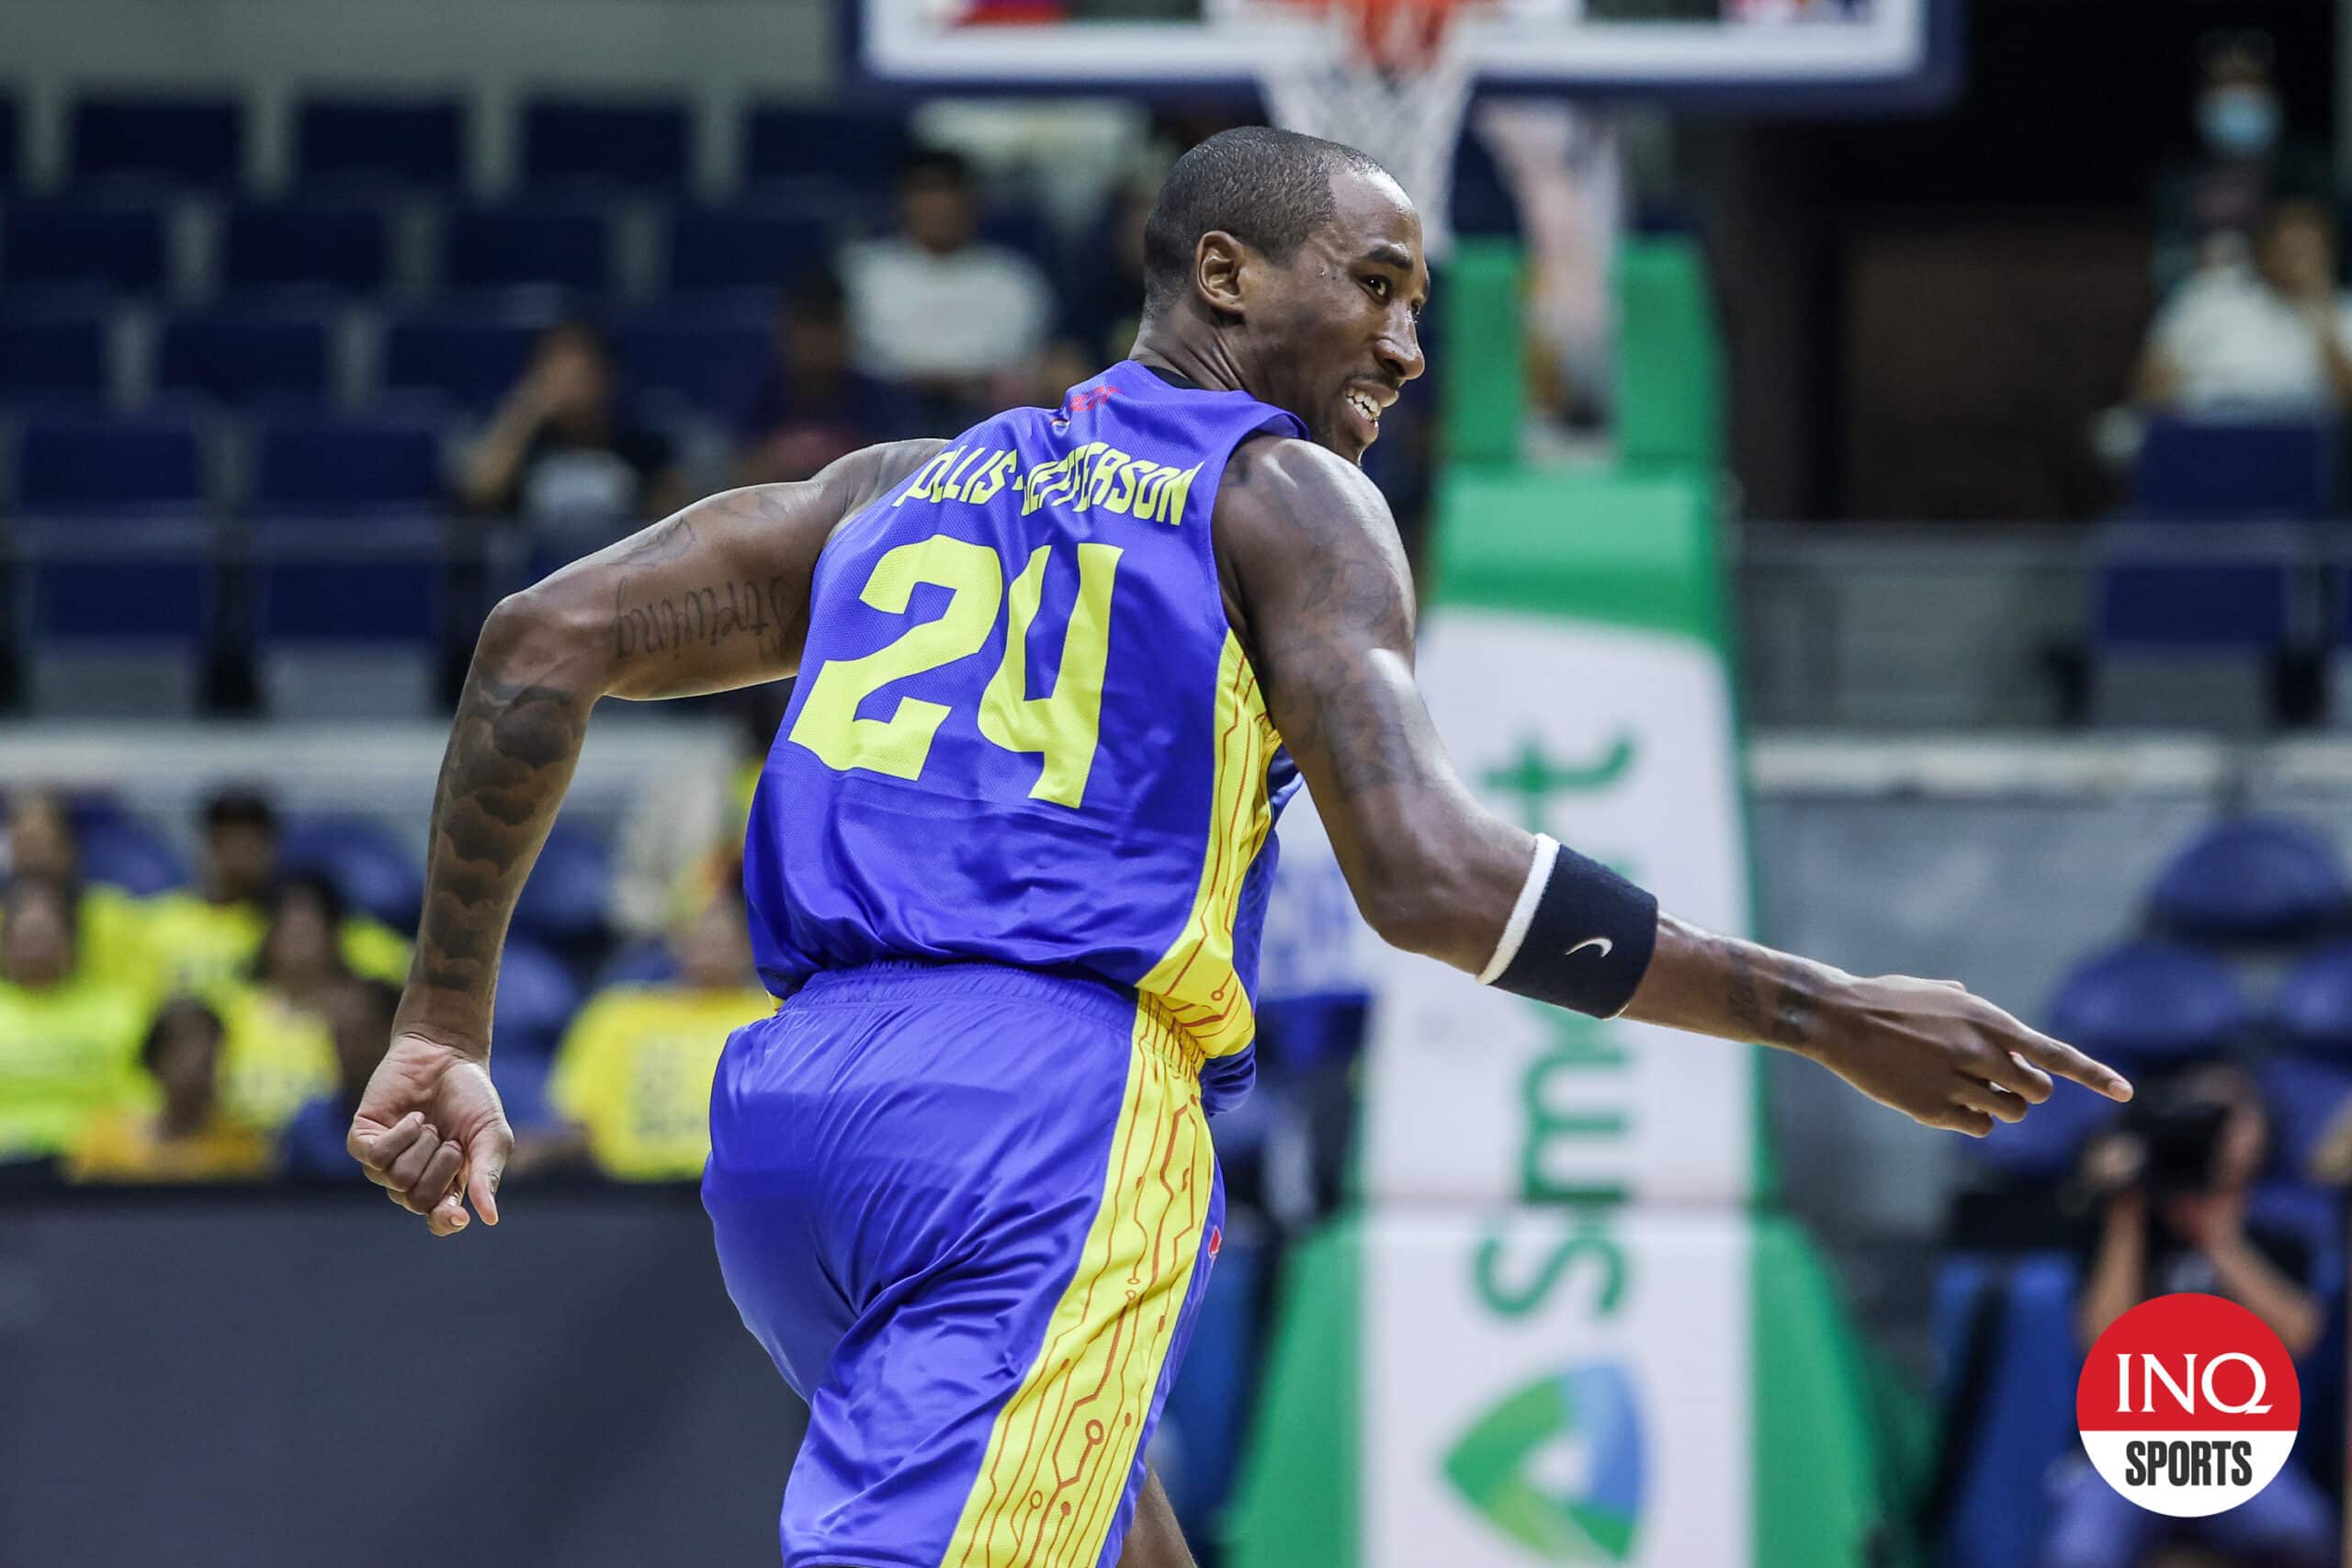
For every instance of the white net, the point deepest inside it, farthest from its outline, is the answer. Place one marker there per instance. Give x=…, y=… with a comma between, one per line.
x=1406, y=112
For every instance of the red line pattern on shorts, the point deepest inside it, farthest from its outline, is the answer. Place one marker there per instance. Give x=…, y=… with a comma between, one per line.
x=1066, y=1442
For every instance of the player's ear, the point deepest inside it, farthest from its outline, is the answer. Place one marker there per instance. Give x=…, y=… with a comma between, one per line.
x=1219, y=262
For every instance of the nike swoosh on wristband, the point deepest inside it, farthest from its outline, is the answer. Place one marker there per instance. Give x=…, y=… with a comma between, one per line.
x=1603, y=942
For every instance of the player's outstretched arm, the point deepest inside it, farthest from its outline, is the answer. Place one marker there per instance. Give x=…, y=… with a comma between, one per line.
x=1317, y=582
x=711, y=598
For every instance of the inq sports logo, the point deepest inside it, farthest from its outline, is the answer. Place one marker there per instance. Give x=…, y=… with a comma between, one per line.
x=2188, y=1405
x=1557, y=1466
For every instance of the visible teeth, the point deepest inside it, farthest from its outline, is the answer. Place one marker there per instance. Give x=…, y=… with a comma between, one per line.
x=1365, y=406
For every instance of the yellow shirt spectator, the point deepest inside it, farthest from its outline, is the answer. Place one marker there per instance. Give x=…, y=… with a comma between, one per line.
x=276, y=1056
x=196, y=944
x=634, y=1071
x=130, y=1146
x=68, y=1054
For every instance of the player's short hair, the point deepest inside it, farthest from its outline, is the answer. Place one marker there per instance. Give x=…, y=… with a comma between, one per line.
x=936, y=166
x=182, y=1008
x=1268, y=189
x=240, y=808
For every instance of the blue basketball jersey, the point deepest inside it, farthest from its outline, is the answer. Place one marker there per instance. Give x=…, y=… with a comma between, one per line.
x=1024, y=731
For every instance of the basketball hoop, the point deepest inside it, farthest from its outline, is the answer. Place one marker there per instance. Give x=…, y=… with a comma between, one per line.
x=1389, y=77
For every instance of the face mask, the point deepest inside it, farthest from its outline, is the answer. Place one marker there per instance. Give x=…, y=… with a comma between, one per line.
x=2239, y=121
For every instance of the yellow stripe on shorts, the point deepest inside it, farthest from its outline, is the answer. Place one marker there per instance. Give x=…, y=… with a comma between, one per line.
x=1064, y=1445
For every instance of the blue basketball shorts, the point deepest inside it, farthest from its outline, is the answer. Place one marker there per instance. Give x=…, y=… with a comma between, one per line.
x=971, y=1212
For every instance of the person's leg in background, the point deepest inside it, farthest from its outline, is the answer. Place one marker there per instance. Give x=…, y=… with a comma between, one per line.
x=2288, y=1524
x=2093, y=1526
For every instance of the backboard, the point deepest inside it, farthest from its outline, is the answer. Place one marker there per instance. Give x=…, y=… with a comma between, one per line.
x=1790, y=56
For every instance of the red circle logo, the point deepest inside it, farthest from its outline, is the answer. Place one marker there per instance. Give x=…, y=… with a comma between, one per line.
x=2188, y=1405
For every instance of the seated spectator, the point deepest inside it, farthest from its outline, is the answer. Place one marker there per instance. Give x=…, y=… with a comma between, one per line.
x=280, y=1050
x=68, y=1043
x=2174, y=1185
x=960, y=322
x=208, y=937
x=681, y=844
x=1106, y=301
x=359, y=1019
x=110, y=929
x=811, y=407
x=2271, y=339
x=632, y=1078
x=188, y=1137
x=2209, y=205
x=562, y=456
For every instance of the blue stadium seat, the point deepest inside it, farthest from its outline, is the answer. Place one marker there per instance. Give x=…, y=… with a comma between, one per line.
x=2255, y=879
x=522, y=247
x=411, y=143
x=564, y=901
x=574, y=141
x=328, y=466
x=646, y=963
x=146, y=581
x=2202, y=601
x=537, y=996
x=372, y=586
x=1025, y=232
x=520, y=1073
x=242, y=357
x=121, y=851
x=81, y=246
x=470, y=358
x=94, y=467
x=791, y=141
x=2151, y=1004
x=748, y=251
x=1999, y=1510
x=11, y=139
x=270, y=247
x=53, y=354
x=710, y=359
x=2311, y=1010
x=375, y=871
x=2305, y=1095
x=182, y=140
x=2193, y=468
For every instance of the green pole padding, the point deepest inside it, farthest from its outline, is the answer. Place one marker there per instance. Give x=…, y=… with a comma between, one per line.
x=1586, y=545
x=1824, y=1495
x=1298, y=1504
x=1669, y=373
x=1481, y=372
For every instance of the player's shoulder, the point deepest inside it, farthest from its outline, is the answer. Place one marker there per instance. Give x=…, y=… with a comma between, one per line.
x=1293, y=479
x=870, y=471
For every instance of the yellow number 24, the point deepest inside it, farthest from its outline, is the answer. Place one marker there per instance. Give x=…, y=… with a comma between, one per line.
x=1063, y=729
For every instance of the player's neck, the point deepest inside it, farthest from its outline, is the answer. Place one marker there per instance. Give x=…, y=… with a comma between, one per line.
x=1205, y=365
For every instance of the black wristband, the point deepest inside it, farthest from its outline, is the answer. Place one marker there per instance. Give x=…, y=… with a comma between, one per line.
x=1581, y=940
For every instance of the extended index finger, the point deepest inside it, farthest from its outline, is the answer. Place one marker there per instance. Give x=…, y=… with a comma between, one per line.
x=2062, y=1059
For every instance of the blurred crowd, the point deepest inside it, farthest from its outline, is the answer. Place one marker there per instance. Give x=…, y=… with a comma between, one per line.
x=2252, y=317
x=923, y=329
x=2232, y=1010
x=222, y=1032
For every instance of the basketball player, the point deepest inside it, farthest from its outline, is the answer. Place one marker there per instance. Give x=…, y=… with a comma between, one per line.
x=1008, y=860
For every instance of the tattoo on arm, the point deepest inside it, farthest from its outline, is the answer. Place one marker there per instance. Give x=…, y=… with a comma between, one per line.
x=1344, y=649
x=1789, y=1020
x=511, y=753
x=702, y=617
